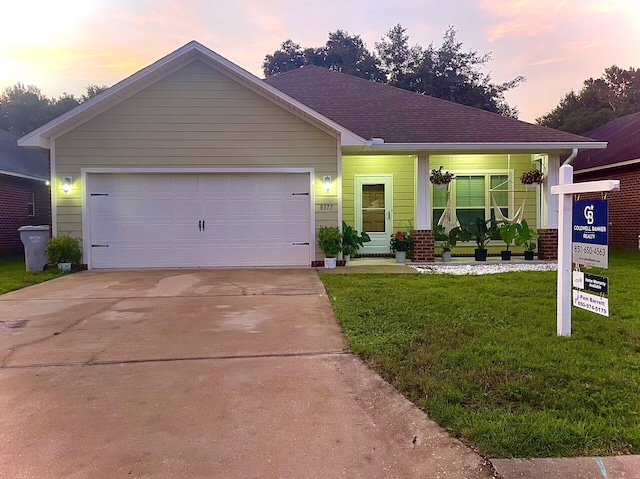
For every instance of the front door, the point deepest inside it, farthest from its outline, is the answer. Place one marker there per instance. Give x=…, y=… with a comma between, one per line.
x=374, y=211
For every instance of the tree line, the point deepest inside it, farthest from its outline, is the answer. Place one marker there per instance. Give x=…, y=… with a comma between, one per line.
x=25, y=108
x=446, y=71
x=616, y=93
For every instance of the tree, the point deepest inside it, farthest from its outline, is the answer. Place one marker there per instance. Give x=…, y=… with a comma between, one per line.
x=348, y=54
x=25, y=108
x=616, y=93
x=449, y=73
x=289, y=57
x=445, y=72
x=399, y=60
x=342, y=52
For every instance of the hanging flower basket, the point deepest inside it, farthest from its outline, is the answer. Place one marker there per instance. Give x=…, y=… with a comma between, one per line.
x=532, y=178
x=441, y=179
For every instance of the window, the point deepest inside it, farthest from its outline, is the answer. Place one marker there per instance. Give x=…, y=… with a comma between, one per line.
x=31, y=205
x=473, y=195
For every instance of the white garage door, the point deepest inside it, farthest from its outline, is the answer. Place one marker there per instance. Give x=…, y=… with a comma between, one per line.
x=162, y=220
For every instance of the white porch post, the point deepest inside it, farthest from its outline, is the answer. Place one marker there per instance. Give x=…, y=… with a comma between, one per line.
x=548, y=214
x=423, y=197
x=564, y=254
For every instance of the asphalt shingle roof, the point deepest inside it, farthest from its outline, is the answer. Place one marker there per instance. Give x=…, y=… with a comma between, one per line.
x=22, y=161
x=375, y=110
x=623, y=135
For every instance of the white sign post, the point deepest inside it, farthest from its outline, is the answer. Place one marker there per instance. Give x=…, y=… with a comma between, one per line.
x=566, y=189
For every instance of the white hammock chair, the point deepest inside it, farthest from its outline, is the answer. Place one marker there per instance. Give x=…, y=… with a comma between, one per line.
x=448, y=220
x=517, y=218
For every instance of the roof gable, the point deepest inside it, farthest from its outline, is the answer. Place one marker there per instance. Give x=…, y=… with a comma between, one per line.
x=375, y=110
x=192, y=51
x=17, y=161
x=623, y=136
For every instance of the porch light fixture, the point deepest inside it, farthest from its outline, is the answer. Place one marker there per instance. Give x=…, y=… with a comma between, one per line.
x=67, y=181
x=326, y=182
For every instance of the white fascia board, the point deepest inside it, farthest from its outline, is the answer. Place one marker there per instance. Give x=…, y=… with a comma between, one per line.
x=448, y=147
x=136, y=82
x=607, y=167
x=20, y=175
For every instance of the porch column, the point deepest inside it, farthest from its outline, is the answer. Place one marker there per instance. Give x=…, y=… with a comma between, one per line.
x=423, y=198
x=423, y=236
x=548, y=210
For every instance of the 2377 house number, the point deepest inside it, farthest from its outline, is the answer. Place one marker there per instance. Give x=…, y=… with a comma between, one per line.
x=326, y=207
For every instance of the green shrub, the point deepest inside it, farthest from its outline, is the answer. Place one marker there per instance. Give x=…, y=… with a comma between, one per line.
x=330, y=241
x=63, y=249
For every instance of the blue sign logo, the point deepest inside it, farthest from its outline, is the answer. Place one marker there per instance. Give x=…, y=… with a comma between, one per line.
x=591, y=222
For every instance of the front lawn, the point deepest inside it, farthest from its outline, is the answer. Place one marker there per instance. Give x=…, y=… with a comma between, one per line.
x=481, y=356
x=14, y=276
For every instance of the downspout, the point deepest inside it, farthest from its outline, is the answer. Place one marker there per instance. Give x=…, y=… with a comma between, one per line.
x=572, y=157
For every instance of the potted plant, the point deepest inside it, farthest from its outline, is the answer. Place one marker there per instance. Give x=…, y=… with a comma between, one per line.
x=481, y=233
x=532, y=178
x=330, y=241
x=507, y=233
x=400, y=244
x=63, y=251
x=352, y=241
x=449, y=241
x=441, y=179
x=524, y=237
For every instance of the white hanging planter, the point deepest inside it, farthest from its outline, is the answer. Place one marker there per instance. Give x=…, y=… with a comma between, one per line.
x=441, y=186
x=531, y=186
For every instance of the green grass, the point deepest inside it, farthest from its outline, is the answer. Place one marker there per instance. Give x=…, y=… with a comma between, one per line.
x=481, y=356
x=14, y=276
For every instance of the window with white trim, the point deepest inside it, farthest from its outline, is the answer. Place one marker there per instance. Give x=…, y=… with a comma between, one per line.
x=31, y=205
x=471, y=196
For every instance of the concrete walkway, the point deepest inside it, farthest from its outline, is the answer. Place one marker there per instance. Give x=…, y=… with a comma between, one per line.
x=207, y=373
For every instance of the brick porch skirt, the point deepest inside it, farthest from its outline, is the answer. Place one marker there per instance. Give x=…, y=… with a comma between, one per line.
x=424, y=246
x=548, y=244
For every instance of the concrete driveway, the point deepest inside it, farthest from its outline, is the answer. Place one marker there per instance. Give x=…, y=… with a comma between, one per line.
x=206, y=373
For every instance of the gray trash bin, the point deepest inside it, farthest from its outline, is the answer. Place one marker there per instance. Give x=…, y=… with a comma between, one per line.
x=34, y=239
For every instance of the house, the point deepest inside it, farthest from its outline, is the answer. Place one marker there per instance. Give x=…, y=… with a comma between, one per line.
x=619, y=161
x=193, y=161
x=24, y=191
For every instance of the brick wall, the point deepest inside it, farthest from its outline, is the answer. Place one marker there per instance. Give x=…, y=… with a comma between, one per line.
x=424, y=246
x=624, y=205
x=548, y=244
x=15, y=194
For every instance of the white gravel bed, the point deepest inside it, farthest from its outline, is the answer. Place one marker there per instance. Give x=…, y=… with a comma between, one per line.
x=477, y=268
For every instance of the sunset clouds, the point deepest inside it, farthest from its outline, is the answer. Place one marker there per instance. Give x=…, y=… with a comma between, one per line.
x=64, y=45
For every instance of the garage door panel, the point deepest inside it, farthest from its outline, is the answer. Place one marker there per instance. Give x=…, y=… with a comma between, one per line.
x=154, y=220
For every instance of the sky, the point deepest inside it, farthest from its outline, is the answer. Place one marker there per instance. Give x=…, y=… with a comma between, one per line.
x=65, y=45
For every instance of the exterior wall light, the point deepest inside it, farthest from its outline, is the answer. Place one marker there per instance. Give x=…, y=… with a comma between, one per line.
x=326, y=182
x=67, y=182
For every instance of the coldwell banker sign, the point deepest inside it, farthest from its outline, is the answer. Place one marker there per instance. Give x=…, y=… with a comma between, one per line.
x=590, y=233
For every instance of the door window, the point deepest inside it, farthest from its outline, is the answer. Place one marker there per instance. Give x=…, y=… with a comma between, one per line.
x=373, y=208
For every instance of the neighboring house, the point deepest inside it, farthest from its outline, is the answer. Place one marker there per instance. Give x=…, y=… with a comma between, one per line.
x=25, y=196
x=620, y=161
x=193, y=161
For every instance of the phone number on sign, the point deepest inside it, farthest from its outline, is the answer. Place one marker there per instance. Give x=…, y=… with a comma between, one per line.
x=592, y=250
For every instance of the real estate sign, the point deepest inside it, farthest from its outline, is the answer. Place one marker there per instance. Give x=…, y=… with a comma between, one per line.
x=591, y=233
x=591, y=302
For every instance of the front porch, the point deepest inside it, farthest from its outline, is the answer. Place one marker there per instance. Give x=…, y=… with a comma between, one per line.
x=382, y=194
